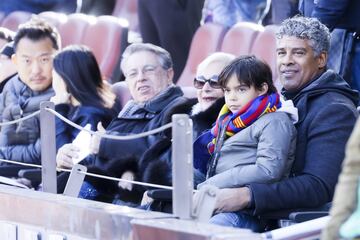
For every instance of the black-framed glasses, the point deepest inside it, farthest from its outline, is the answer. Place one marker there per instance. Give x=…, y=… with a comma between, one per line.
x=200, y=81
x=147, y=70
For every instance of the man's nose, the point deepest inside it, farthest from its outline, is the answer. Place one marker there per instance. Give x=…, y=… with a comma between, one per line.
x=287, y=59
x=36, y=67
x=140, y=76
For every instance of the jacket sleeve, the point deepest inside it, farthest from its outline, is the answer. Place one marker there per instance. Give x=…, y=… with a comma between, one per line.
x=22, y=153
x=330, y=11
x=66, y=133
x=276, y=142
x=314, y=186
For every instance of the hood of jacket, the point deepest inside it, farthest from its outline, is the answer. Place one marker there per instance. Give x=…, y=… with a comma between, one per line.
x=329, y=81
x=147, y=110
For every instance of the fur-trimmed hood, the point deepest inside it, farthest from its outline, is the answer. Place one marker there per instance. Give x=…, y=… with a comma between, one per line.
x=204, y=120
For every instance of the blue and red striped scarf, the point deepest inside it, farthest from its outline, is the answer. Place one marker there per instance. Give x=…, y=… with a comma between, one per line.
x=244, y=117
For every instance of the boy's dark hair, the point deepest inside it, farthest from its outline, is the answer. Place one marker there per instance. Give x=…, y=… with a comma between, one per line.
x=250, y=71
x=37, y=29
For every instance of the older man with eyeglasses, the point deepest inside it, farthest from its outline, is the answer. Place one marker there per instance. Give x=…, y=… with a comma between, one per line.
x=149, y=76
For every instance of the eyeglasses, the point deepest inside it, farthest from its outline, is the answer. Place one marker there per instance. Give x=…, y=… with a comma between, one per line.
x=200, y=81
x=146, y=70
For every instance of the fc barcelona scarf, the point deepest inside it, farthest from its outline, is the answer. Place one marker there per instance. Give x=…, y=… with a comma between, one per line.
x=244, y=117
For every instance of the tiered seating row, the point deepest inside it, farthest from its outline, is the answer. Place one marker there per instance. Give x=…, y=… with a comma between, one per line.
x=105, y=35
x=242, y=39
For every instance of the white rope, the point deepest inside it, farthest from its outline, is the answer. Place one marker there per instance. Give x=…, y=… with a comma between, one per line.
x=134, y=136
x=127, y=181
x=20, y=119
x=91, y=174
x=20, y=163
x=103, y=135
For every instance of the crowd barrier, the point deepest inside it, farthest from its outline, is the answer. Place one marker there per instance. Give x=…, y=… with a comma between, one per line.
x=28, y=214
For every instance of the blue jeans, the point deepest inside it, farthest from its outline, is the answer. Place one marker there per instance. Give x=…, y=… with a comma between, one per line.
x=237, y=220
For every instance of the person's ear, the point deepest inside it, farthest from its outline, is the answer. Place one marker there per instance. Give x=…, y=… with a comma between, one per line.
x=322, y=59
x=264, y=89
x=14, y=59
x=170, y=75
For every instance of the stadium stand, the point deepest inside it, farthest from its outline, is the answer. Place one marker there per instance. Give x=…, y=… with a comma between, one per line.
x=240, y=38
x=13, y=20
x=73, y=30
x=127, y=9
x=264, y=47
x=206, y=40
x=107, y=38
x=54, y=18
x=2, y=15
x=122, y=92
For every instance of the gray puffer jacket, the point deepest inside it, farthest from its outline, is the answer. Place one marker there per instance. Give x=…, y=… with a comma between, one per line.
x=261, y=153
x=21, y=141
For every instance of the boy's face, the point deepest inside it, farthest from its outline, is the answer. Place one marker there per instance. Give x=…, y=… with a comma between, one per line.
x=33, y=60
x=237, y=95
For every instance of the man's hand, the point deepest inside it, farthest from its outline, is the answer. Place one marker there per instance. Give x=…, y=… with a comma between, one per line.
x=128, y=175
x=95, y=140
x=232, y=199
x=65, y=155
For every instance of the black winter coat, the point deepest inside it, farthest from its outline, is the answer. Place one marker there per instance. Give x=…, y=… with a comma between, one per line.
x=80, y=115
x=327, y=114
x=21, y=141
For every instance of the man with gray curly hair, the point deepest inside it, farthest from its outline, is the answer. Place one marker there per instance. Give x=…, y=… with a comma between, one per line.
x=327, y=114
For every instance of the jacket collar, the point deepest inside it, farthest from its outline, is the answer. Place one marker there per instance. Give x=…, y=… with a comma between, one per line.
x=148, y=109
x=329, y=81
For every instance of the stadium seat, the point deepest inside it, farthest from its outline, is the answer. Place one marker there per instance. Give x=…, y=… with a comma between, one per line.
x=206, y=40
x=54, y=18
x=107, y=38
x=240, y=38
x=2, y=16
x=122, y=92
x=14, y=19
x=127, y=9
x=73, y=30
x=264, y=48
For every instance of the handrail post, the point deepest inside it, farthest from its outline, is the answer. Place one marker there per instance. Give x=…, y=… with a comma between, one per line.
x=182, y=166
x=48, y=148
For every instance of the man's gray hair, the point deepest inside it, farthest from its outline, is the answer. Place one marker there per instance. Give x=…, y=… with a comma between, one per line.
x=307, y=28
x=163, y=55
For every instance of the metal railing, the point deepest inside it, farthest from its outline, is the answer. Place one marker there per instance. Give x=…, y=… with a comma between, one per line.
x=182, y=161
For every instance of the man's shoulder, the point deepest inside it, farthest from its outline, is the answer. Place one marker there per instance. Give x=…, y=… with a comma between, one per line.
x=331, y=107
x=11, y=84
x=179, y=105
x=331, y=99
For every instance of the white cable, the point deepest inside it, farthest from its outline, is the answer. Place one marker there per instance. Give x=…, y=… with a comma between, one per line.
x=128, y=181
x=20, y=119
x=103, y=135
x=92, y=175
x=134, y=136
x=20, y=163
